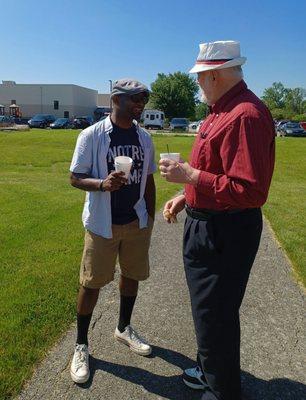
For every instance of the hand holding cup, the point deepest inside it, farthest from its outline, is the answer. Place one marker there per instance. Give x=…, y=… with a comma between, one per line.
x=114, y=181
x=176, y=170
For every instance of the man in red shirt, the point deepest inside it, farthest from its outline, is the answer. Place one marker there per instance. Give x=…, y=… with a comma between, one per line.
x=226, y=183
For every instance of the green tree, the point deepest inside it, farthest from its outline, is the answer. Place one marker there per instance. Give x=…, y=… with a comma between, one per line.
x=175, y=94
x=294, y=100
x=201, y=111
x=299, y=118
x=274, y=96
x=282, y=113
x=283, y=102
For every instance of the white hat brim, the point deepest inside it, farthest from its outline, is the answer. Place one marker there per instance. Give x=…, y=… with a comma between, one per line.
x=228, y=64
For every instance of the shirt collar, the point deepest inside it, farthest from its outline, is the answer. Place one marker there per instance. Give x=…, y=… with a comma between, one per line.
x=109, y=126
x=228, y=96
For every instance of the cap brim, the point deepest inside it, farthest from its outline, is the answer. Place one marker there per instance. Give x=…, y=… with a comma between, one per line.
x=117, y=92
x=228, y=64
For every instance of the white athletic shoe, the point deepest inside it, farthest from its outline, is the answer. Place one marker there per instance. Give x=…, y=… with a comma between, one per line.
x=131, y=338
x=194, y=378
x=79, y=370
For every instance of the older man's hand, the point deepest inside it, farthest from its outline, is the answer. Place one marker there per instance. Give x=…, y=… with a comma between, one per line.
x=180, y=172
x=173, y=207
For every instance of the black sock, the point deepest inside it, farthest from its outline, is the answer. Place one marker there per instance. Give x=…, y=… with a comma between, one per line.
x=83, y=322
x=126, y=308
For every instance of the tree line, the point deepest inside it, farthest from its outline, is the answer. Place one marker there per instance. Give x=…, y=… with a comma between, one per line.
x=285, y=103
x=177, y=94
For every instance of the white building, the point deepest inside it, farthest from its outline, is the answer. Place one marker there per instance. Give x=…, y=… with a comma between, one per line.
x=104, y=100
x=60, y=100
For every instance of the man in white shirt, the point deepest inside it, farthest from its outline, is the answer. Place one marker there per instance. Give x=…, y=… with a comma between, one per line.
x=118, y=215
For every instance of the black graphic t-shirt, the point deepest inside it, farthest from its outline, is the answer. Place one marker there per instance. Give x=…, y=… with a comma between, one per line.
x=125, y=142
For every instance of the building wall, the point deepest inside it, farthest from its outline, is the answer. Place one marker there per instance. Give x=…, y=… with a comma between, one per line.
x=103, y=100
x=84, y=101
x=36, y=99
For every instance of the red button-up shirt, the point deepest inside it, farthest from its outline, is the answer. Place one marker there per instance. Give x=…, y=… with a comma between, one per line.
x=235, y=150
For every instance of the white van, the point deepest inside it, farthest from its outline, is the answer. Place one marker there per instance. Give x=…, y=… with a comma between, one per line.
x=153, y=119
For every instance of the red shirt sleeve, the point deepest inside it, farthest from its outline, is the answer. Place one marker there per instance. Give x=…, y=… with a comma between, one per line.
x=247, y=154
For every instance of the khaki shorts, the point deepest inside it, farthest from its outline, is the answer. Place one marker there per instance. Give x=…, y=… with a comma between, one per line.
x=129, y=244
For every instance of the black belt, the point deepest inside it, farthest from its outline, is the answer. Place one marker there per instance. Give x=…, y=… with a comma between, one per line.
x=204, y=215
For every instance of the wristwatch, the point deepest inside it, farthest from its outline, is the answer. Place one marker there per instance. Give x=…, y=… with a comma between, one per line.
x=101, y=186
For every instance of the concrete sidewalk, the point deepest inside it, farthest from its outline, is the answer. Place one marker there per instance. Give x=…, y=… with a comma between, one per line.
x=272, y=358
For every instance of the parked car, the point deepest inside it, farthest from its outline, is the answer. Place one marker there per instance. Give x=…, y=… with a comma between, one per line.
x=41, y=120
x=82, y=122
x=280, y=123
x=61, y=123
x=6, y=120
x=153, y=119
x=101, y=112
x=21, y=121
x=194, y=126
x=291, y=129
x=179, y=124
x=303, y=125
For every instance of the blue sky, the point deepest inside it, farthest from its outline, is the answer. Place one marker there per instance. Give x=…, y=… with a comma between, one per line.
x=89, y=42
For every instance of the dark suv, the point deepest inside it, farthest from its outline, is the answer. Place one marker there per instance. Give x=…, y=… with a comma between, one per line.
x=101, y=112
x=180, y=124
x=291, y=129
x=82, y=122
x=41, y=120
x=61, y=123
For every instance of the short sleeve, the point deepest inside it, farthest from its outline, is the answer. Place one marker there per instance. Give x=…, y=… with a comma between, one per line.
x=152, y=164
x=82, y=157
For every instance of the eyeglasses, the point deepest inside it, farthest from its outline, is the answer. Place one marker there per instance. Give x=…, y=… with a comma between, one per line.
x=140, y=98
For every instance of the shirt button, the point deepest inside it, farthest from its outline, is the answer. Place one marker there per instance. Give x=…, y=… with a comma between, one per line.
x=217, y=115
x=210, y=123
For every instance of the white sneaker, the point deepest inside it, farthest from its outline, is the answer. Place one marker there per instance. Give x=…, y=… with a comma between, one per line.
x=79, y=370
x=131, y=338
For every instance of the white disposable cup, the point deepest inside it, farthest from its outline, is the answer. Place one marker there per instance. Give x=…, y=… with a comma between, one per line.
x=171, y=156
x=123, y=164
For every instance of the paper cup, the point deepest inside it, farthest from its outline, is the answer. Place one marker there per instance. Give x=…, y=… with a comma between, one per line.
x=171, y=156
x=123, y=164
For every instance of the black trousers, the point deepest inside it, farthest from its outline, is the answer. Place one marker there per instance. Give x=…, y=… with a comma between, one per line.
x=218, y=256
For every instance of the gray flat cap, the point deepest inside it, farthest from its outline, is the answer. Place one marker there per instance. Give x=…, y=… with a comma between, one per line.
x=128, y=86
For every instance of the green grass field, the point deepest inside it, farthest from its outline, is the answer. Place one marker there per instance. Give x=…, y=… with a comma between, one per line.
x=286, y=206
x=41, y=245
x=41, y=237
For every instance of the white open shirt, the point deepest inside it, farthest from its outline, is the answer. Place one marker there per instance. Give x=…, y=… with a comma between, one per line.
x=90, y=158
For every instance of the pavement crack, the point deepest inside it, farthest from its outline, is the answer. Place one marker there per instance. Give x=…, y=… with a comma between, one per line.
x=298, y=330
x=65, y=366
x=95, y=321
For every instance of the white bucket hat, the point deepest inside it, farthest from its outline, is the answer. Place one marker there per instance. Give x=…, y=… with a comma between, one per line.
x=218, y=55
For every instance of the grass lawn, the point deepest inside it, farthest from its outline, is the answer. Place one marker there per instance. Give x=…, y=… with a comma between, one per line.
x=286, y=206
x=41, y=237
x=41, y=244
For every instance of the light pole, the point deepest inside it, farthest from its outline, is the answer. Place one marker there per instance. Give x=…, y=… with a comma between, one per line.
x=41, y=104
x=110, y=92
